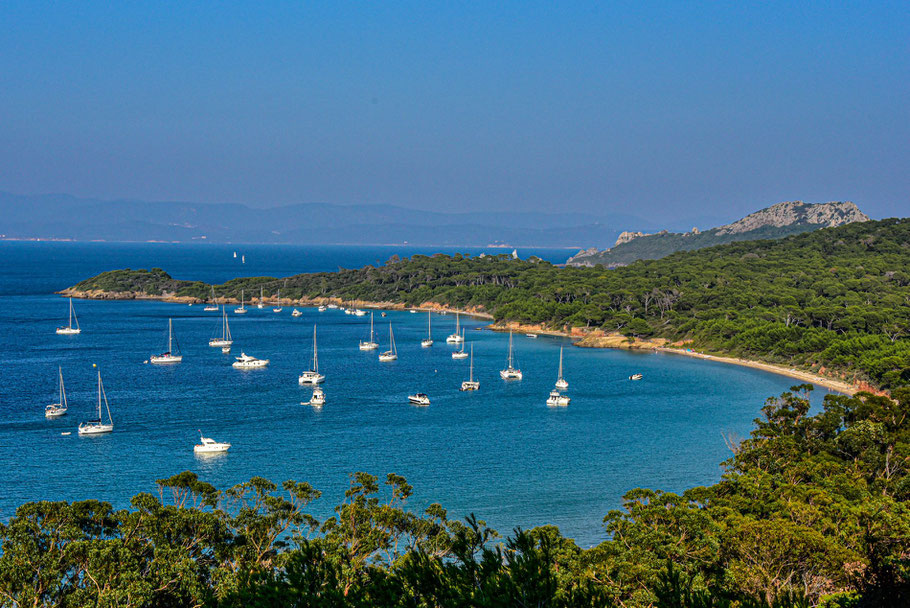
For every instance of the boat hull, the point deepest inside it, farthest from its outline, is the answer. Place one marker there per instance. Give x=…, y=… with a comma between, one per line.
x=95, y=429
x=470, y=386
x=510, y=374
x=68, y=331
x=168, y=360
x=368, y=346
x=311, y=378
x=221, y=343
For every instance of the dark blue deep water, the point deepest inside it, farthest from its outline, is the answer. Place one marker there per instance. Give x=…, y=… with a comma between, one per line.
x=500, y=452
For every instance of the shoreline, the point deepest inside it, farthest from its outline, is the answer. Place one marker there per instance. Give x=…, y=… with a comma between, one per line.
x=582, y=338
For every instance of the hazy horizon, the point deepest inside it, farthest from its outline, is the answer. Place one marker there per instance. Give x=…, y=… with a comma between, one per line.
x=678, y=114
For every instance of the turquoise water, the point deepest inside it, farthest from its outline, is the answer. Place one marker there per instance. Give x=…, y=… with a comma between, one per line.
x=499, y=452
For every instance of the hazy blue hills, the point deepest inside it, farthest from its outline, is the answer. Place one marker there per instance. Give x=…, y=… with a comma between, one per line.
x=67, y=217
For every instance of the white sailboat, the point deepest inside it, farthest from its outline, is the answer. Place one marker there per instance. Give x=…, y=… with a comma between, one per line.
x=470, y=384
x=510, y=372
x=241, y=310
x=370, y=344
x=171, y=355
x=69, y=330
x=225, y=340
x=207, y=445
x=456, y=338
x=392, y=353
x=55, y=410
x=296, y=313
x=278, y=307
x=429, y=340
x=261, y=304
x=213, y=306
x=561, y=382
x=245, y=361
x=97, y=426
x=312, y=375
x=460, y=354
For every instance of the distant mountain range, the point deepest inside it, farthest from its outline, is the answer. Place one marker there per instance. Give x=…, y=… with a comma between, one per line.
x=774, y=222
x=68, y=217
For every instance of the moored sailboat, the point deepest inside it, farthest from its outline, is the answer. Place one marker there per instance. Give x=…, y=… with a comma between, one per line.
x=461, y=353
x=172, y=354
x=69, y=330
x=510, y=372
x=55, y=410
x=225, y=340
x=429, y=339
x=370, y=344
x=261, y=303
x=240, y=310
x=213, y=306
x=98, y=426
x=456, y=338
x=278, y=307
x=561, y=383
x=392, y=353
x=470, y=384
x=312, y=375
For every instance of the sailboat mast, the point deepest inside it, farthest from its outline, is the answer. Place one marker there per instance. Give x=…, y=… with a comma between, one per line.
x=371, y=327
x=315, y=356
x=170, y=333
x=99, y=395
x=471, y=377
x=560, y=363
x=429, y=330
x=510, y=349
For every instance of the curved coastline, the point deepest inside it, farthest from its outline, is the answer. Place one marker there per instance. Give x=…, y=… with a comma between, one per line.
x=583, y=338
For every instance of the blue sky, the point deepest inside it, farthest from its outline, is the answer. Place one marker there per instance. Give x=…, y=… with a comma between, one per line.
x=665, y=110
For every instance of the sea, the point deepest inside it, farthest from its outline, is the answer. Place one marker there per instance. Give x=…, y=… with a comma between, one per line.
x=499, y=453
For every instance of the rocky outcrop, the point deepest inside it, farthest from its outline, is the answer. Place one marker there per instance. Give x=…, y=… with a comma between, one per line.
x=774, y=222
x=823, y=215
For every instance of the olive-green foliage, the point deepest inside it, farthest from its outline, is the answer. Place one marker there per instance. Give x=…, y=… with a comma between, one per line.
x=838, y=298
x=811, y=511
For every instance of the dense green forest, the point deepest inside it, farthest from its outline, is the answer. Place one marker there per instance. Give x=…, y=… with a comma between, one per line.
x=811, y=510
x=837, y=298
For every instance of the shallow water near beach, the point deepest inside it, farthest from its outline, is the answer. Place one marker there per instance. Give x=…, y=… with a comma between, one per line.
x=500, y=452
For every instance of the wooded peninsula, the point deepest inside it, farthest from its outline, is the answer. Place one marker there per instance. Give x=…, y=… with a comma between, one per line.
x=835, y=302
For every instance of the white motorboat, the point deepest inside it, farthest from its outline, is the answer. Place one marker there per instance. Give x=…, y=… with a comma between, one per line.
x=635, y=377
x=322, y=308
x=429, y=338
x=225, y=349
x=225, y=340
x=278, y=307
x=241, y=310
x=261, y=304
x=370, y=344
x=510, y=372
x=359, y=313
x=392, y=353
x=561, y=383
x=69, y=330
x=312, y=375
x=531, y=335
x=460, y=354
x=419, y=399
x=412, y=311
x=172, y=354
x=296, y=313
x=214, y=304
x=456, y=338
x=333, y=306
x=470, y=384
x=98, y=426
x=318, y=398
x=55, y=410
x=556, y=398
x=207, y=445
x=244, y=361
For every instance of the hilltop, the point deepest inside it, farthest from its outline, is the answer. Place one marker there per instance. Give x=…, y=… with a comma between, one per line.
x=774, y=222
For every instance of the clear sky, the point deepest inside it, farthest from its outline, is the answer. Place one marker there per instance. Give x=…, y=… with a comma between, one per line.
x=663, y=110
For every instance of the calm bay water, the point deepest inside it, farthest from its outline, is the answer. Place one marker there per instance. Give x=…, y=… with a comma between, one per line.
x=499, y=452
